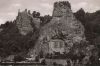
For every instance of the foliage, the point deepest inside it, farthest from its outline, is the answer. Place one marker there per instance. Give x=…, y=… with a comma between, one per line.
x=37, y=59
x=91, y=22
x=18, y=58
x=12, y=42
x=80, y=15
x=45, y=19
x=36, y=14
x=43, y=62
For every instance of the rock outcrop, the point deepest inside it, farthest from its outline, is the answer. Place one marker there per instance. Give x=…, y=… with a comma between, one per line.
x=26, y=23
x=63, y=26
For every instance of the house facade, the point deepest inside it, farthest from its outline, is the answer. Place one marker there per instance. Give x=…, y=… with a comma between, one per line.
x=56, y=46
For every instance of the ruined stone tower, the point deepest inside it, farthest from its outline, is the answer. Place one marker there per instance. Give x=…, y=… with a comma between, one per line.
x=24, y=22
x=61, y=9
x=63, y=28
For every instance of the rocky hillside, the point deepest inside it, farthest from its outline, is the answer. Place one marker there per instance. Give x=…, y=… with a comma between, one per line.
x=68, y=28
x=63, y=26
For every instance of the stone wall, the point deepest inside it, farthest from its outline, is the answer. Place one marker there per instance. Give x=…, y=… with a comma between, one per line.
x=61, y=8
x=26, y=23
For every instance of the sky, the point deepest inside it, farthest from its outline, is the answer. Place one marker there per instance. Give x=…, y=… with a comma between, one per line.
x=9, y=8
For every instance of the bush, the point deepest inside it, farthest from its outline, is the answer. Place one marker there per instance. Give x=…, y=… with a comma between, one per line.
x=43, y=62
x=18, y=59
x=37, y=58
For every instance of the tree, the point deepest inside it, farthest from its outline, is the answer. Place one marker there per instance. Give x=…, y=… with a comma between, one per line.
x=41, y=54
x=43, y=62
x=45, y=19
x=80, y=15
x=37, y=58
x=36, y=14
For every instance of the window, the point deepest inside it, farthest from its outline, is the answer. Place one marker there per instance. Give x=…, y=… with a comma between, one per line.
x=60, y=44
x=55, y=44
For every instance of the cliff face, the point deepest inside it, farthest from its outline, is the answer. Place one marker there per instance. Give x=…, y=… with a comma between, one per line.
x=63, y=26
x=26, y=23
